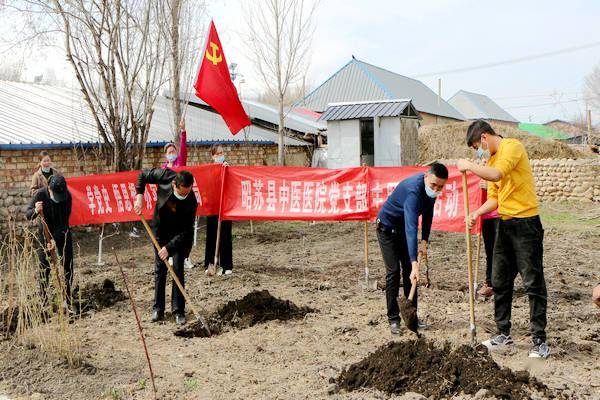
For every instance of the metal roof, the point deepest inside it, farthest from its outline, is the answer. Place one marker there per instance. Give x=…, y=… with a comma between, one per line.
x=370, y=109
x=39, y=116
x=295, y=119
x=475, y=106
x=360, y=81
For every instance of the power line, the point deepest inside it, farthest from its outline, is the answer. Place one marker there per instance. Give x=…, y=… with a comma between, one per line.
x=511, y=61
x=554, y=94
x=553, y=103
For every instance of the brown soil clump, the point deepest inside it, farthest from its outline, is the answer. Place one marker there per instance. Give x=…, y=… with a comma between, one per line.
x=254, y=308
x=419, y=366
x=97, y=297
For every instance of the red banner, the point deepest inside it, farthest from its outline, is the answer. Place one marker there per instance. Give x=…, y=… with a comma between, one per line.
x=109, y=198
x=273, y=193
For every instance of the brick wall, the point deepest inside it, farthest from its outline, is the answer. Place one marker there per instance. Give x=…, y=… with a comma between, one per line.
x=17, y=167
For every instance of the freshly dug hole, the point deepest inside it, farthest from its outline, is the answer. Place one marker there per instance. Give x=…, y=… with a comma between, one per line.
x=252, y=309
x=419, y=366
x=97, y=297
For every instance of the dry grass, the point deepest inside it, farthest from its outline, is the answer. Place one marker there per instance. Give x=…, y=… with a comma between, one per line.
x=443, y=142
x=45, y=327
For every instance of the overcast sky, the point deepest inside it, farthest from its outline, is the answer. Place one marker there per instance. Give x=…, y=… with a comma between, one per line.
x=415, y=38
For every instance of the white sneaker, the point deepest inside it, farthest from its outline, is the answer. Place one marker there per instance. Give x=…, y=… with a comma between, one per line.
x=498, y=342
x=211, y=270
x=134, y=233
x=228, y=272
x=187, y=264
x=220, y=271
x=540, y=349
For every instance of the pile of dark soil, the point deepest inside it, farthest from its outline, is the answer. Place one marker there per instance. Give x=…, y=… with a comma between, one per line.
x=439, y=373
x=254, y=308
x=97, y=297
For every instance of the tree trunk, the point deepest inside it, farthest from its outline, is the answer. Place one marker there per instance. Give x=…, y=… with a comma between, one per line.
x=280, y=130
x=176, y=68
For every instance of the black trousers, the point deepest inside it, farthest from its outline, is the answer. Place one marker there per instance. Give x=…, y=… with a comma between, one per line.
x=519, y=249
x=488, y=231
x=397, y=260
x=160, y=282
x=225, y=245
x=64, y=249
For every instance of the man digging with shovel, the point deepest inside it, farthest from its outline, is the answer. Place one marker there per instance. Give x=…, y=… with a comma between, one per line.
x=397, y=229
x=519, y=235
x=173, y=222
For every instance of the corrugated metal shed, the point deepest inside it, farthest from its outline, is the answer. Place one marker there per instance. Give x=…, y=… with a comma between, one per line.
x=34, y=116
x=298, y=121
x=475, y=106
x=360, y=81
x=370, y=109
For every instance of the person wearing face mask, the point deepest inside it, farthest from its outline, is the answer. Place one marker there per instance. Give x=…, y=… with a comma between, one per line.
x=397, y=232
x=489, y=222
x=518, y=248
x=173, y=225
x=212, y=223
x=54, y=203
x=40, y=177
x=177, y=156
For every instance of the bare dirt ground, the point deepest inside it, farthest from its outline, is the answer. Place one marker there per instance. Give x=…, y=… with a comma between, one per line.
x=318, y=266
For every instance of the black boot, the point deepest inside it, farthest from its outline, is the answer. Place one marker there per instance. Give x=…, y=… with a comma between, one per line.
x=158, y=315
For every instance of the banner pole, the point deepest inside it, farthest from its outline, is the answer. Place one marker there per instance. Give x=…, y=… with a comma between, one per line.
x=100, y=239
x=219, y=216
x=367, y=253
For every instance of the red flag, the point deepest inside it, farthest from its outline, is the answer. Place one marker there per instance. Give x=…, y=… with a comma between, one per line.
x=214, y=85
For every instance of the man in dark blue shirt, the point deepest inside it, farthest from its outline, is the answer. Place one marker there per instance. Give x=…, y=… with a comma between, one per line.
x=397, y=229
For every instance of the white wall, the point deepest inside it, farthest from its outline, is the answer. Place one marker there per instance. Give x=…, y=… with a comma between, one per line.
x=387, y=141
x=343, y=143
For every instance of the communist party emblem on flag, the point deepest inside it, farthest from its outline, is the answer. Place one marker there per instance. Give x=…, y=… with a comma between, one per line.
x=214, y=85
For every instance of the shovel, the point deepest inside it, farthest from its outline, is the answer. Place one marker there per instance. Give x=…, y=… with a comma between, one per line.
x=408, y=310
x=469, y=262
x=199, y=317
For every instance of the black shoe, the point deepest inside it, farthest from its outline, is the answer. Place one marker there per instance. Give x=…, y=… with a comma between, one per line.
x=158, y=315
x=395, y=328
x=180, y=319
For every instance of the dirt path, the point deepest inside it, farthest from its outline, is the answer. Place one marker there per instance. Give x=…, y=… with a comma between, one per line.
x=316, y=266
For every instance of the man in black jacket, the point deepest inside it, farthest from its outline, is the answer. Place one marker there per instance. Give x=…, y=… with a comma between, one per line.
x=173, y=224
x=53, y=205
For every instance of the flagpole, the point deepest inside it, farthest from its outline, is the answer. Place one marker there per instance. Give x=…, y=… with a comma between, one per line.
x=219, y=216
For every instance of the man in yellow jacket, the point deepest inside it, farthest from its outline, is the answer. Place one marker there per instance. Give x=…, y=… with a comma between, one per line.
x=519, y=237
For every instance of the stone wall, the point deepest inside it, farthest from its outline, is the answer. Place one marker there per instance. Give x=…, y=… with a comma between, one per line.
x=17, y=167
x=567, y=180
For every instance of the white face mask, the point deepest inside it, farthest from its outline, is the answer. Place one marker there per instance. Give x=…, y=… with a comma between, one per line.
x=220, y=159
x=178, y=196
x=431, y=193
x=481, y=153
x=171, y=157
x=46, y=170
x=52, y=198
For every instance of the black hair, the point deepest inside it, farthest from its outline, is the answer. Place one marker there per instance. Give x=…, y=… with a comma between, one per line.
x=214, y=148
x=439, y=170
x=476, y=129
x=184, y=179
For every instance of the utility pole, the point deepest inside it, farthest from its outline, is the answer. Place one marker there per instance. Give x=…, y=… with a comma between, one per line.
x=589, y=126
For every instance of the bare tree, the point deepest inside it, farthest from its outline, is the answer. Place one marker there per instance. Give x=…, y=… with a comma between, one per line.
x=116, y=51
x=280, y=34
x=183, y=33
